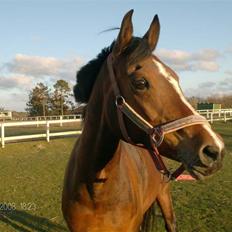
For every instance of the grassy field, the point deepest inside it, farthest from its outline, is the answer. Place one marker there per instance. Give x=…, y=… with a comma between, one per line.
x=31, y=176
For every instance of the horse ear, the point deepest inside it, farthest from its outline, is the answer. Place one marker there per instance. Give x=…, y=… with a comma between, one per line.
x=125, y=34
x=152, y=35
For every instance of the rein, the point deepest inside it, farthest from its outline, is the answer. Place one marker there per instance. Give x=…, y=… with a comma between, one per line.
x=155, y=133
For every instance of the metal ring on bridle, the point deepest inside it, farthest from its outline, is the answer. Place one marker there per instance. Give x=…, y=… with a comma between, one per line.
x=157, y=136
x=119, y=101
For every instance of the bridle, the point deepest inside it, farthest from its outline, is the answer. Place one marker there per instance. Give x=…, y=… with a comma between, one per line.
x=155, y=133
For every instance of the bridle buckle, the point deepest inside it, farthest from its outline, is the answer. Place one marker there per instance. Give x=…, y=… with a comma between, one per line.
x=157, y=136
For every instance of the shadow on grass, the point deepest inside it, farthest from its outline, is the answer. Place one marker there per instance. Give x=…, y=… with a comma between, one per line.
x=23, y=221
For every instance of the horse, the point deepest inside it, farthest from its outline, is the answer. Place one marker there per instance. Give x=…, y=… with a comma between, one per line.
x=135, y=114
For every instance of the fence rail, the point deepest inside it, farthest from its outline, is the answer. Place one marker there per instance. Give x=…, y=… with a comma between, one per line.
x=45, y=118
x=211, y=116
x=217, y=114
x=46, y=135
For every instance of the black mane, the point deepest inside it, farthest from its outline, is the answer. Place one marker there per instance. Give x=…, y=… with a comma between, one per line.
x=86, y=76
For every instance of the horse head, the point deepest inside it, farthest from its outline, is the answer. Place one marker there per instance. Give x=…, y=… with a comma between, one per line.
x=152, y=89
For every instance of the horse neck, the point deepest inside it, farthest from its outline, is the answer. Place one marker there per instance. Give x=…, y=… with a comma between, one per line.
x=99, y=141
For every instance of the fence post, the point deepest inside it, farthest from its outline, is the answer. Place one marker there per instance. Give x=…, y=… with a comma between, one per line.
x=211, y=118
x=3, y=135
x=37, y=119
x=47, y=131
x=225, y=116
x=61, y=118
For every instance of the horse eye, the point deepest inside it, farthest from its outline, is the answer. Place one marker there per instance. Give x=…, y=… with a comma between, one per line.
x=141, y=84
x=137, y=67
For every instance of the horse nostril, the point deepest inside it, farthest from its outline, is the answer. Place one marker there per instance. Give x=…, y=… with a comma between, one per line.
x=211, y=152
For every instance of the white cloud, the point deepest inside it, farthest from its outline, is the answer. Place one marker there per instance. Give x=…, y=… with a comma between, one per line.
x=34, y=65
x=204, y=60
x=206, y=55
x=210, y=66
x=208, y=84
x=175, y=56
x=20, y=75
x=229, y=50
x=206, y=89
x=44, y=67
x=228, y=72
x=23, y=71
x=15, y=81
x=13, y=101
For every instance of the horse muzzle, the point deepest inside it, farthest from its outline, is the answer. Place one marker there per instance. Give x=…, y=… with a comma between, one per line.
x=209, y=162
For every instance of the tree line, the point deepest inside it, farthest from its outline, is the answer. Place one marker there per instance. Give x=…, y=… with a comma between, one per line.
x=59, y=100
x=46, y=101
x=225, y=101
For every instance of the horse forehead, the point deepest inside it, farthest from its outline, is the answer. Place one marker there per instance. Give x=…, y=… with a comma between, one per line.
x=163, y=70
x=166, y=73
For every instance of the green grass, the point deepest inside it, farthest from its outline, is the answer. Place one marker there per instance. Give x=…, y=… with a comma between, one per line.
x=31, y=178
x=30, y=130
x=206, y=206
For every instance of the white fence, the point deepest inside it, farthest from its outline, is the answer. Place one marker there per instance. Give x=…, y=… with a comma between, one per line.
x=211, y=116
x=52, y=117
x=46, y=135
x=217, y=115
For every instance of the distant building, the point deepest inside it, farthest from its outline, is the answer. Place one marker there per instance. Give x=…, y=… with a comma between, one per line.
x=5, y=115
x=80, y=110
x=208, y=106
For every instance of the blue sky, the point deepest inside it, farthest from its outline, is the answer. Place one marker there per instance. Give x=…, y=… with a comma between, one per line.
x=48, y=40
